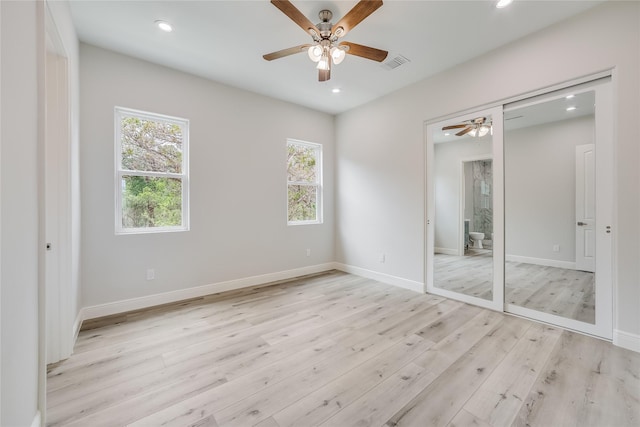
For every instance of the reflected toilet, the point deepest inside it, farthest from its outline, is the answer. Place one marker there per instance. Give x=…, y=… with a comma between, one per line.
x=477, y=239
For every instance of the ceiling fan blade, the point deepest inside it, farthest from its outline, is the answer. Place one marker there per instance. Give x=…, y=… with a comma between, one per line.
x=296, y=16
x=286, y=52
x=356, y=15
x=454, y=127
x=324, y=75
x=464, y=131
x=365, y=51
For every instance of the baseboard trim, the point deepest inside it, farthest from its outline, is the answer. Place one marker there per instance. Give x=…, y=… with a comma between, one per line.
x=37, y=420
x=626, y=340
x=542, y=261
x=445, y=251
x=381, y=277
x=123, y=306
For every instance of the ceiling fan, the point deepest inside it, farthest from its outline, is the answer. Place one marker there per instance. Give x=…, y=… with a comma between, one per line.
x=480, y=126
x=325, y=49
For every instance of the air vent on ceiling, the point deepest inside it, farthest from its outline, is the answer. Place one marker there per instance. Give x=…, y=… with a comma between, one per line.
x=395, y=62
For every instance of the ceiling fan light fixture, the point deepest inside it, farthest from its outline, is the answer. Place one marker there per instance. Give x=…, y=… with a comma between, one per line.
x=337, y=55
x=483, y=131
x=324, y=63
x=326, y=50
x=315, y=53
x=473, y=133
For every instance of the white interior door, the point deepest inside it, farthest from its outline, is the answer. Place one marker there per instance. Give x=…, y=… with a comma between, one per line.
x=585, y=208
x=56, y=198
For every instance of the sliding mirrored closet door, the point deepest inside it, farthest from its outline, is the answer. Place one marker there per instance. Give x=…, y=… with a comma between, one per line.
x=558, y=189
x=464, y=208
x=519, y=208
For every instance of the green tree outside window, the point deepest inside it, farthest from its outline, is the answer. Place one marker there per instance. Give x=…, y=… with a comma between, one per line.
x=151, y=171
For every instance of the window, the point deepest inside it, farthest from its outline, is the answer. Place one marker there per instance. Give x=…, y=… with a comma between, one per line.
x=304, y=183
x=152, y=180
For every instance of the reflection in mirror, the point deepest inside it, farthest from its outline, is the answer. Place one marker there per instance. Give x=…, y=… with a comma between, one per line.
x=463, y=223
x=549, y=151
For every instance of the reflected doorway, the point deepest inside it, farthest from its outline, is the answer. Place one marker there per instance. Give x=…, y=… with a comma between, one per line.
x=469, y=270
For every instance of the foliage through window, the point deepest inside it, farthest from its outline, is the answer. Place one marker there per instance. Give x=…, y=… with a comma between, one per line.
x=152, y=178
x=304, y=182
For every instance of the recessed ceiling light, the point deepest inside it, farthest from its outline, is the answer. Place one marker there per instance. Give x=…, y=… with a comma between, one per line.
x=571, y=108
x=503, y=3
x=335, y=90
x=164, y=26
x=447, y=134
x=569, y=96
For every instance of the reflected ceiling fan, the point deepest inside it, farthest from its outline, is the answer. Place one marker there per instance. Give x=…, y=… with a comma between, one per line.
x=326, y=50
x=480, y=126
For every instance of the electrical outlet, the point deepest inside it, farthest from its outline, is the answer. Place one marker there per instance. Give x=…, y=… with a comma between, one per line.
x=381, y=258
x=308, y=252
x=151, y=274
x=556, y=248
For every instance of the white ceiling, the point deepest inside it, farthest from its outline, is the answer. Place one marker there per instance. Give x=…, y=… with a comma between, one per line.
x=225, y=40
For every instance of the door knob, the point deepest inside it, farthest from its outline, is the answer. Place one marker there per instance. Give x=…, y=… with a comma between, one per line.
x=580, y=223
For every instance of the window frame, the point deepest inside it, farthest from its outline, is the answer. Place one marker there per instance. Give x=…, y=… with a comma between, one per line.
x=317, y=148
x=119, y=114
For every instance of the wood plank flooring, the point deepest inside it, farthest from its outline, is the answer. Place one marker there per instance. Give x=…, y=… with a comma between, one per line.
x=559, y=291
x=338, y=350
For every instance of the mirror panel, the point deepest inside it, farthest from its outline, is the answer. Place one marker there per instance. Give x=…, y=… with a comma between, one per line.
x=464, y=216
x=549, y=157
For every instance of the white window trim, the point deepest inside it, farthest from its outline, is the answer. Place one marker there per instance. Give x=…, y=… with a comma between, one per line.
x=121, y=112
x=318, y=184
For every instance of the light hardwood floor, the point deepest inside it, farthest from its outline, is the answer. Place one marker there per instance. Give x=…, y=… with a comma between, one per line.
x=559, y=291
x=338, y=350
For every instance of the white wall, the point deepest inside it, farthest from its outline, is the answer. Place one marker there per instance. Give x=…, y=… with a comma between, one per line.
x=238, y=182
x=380, y=146
x=540, y=188
x=19, y=216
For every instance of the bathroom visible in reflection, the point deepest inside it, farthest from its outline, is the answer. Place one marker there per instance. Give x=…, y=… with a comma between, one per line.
x=463, y=227
x=478, y=206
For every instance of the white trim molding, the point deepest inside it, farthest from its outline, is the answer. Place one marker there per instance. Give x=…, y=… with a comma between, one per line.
x=569, y=265
x=37, y=420
x=382, y=277
x=445, y=251
x=626, y=340
x=123, y=306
